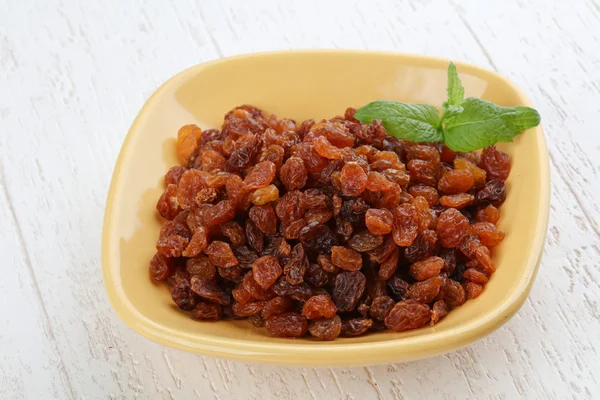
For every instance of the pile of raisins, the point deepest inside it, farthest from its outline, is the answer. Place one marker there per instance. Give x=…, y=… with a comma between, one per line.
x=329, y=228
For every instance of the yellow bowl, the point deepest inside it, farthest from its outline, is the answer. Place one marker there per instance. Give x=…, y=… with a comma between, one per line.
x=300, y=85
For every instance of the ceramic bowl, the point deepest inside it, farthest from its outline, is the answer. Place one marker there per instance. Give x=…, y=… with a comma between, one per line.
x=301, y=85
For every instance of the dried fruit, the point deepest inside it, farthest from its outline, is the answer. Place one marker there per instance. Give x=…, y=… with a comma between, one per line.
x=325, y=328
x=346, y=258
x=456, y=181
x=427, y=268
x=426, y=291
x=161, y=267
x=380, y=307
x=356, y=326
x=348, y=288
x=452, y=227
x=379, y=222
x=209, y=290
x=306, y=221
x=407, y=315
x=406, y=225
x=488, y=234
x=488, y=214
x=495, y=162
x=266, y=271
x=320, y=306
x=293, y=173
x=288, y=324
x=219, y=253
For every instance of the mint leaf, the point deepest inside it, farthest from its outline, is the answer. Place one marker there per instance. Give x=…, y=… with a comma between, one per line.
x=414, y=122
x=481, y=124
x=456, y=91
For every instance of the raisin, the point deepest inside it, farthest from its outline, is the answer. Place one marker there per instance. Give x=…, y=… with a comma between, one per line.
x=320, y=306
x=493, y=193
x=495, y=162
x=345, y=258
x=422, y=247
x=234, y=274
x=438, y=311
x=291, y=230
x=197, y=244
x=161, y=267
x=356, y=326
x=191, y=182
x=364, y=241
x=407, y=315
x=266, y=271
x=241, y=295
x=475, y=276
x=172, y=245
x=264, y=218
x=288, y=324
x=174, y=174
x=264, y=195
x=424, y=152
x=300, y=292
x=187, y=142
x=348, y=289
x=382, y=252
x=243, y=156
x=423, y=172
x=380, y=307
x=245, y=256
x=326, y=149
x=479, y=175
x=354, y=179
x=318, y=238
x=488, y=214
x=260, y=175
x=256, y=320
x=458, y=201
x=276, y=306
x=453, y=293
x=201, y=267
x=447, y=155
x=325, y=328
x=255, y=237
x=221, y=212
x=456, y=181
x=168, y=205
x=293, y=173
x=389, y=265
x=248, y=309
x=472, y=290
x=255, y=289
x=325, y=262
x=427, y=192
x=315, y=276
x=427, y=268
x=273, y=153
x=398, y=288
x=354, y=210
x=289, y=207
x=206, y=311
x=452, y=227
x=338, y=134
x=488, y=234
x=406, y=225
x=234, y=232
x=426, y=291
x=209, y=290
x=220, y=254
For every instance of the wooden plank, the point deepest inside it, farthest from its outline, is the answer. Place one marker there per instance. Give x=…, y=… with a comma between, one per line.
x=75, y=76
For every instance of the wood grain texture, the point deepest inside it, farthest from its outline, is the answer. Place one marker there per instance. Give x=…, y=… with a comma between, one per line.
x=73, y=77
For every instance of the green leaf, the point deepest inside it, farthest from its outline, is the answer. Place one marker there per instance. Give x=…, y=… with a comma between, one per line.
x=456, y=91
x=481, y=124
x=414, y=122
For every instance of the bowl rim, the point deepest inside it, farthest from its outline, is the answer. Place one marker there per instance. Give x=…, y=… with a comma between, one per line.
x=326, y=353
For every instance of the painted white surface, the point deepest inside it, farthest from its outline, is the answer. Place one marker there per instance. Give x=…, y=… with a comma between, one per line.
x=74, y=75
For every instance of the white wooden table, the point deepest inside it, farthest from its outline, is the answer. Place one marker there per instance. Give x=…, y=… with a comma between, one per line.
x=73, y=77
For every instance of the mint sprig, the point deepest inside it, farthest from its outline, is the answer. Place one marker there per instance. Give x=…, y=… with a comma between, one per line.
x=465, y=125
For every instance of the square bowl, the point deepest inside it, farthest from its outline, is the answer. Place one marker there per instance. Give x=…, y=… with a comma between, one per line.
x=301, y=85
